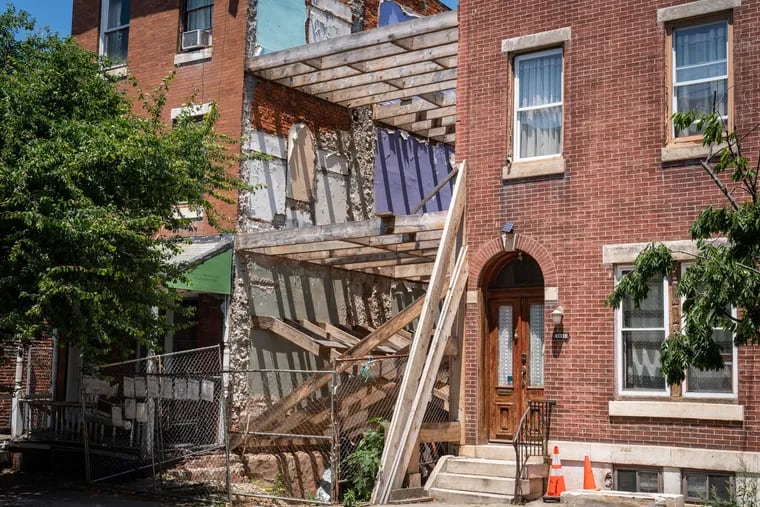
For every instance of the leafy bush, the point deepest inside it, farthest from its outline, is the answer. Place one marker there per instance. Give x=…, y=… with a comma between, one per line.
x=363, y=464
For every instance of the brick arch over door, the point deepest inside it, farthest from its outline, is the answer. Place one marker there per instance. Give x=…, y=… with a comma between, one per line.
x=489, y=252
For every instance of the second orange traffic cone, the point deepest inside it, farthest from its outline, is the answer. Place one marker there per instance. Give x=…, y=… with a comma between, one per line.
x=588, y=475
x=556, y=479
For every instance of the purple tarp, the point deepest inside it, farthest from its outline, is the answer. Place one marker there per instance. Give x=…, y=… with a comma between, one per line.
x=406, y=170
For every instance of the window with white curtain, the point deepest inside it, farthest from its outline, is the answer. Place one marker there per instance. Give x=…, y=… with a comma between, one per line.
x=700, y=71
x=114, y=30
x=197, y=15
x=538, y=104
x=641, y=330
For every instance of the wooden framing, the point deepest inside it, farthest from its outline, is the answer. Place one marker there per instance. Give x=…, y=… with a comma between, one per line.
x=425, y=354
x=415, y=60
x=402, y=247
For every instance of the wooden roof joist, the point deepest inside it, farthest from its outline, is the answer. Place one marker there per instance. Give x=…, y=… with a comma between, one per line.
x=401, y=247
x=414, y=61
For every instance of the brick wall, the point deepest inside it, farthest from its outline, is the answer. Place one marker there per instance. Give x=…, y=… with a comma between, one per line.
x=153, y=42
x=615, y=190
x=36, y=375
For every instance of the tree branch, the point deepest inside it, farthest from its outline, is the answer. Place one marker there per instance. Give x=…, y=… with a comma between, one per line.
x=720, y=185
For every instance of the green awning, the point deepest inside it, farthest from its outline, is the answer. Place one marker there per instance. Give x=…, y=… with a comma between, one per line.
x=212, y=275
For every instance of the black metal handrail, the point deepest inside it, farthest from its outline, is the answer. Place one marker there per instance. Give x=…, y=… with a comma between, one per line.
x=531, y=439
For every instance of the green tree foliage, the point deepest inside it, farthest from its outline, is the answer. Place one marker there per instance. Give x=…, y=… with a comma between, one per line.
x=725, y=274
x=86, y=185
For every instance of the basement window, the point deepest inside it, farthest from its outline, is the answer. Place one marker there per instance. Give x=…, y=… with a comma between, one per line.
x=699, y=486
x=638, y=480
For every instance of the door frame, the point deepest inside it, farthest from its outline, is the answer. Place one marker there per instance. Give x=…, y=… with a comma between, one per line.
x=492, y=297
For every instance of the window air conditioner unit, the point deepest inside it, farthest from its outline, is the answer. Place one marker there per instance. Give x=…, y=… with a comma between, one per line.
x=196, y=39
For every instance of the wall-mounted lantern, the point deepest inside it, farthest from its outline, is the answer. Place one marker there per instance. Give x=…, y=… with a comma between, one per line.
x=558, y=314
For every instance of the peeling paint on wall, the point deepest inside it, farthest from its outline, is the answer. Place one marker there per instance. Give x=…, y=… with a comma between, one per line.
x=328, y=19
x=406, y=170
x=391, y=13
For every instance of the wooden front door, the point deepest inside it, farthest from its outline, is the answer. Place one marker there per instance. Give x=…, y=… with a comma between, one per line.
x=515, y=359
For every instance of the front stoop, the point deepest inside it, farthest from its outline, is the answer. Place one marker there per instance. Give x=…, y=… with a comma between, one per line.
x=466, y=480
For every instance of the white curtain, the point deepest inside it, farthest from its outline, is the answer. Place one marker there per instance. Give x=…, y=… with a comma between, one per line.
x=540, y=84
x=199, y=14
x=701, y=67
x=118, y=13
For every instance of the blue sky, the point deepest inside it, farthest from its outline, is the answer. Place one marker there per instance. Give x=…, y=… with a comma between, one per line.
x=57, y=13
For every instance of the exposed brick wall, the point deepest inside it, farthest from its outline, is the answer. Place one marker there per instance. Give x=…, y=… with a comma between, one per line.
x=615, y=190
x=153, y=42
x=37, y=381
x=276, y=108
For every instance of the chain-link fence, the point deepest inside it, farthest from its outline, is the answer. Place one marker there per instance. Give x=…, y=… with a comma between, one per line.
x=158, y=423
x=312, y=436
x=162, y=423
x=284, y=438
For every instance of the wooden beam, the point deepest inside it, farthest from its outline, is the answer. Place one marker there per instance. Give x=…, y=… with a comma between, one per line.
x=424, y=389
x=400, y=94
x=361, y=349
x=344, y=231
x=349, y=42
x=388, y=87
x=331, y=84
x=450, y=431
x=294, y=336
x=398, y=432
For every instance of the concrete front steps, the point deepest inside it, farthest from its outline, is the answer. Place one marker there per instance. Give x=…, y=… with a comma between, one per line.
x=475, y=480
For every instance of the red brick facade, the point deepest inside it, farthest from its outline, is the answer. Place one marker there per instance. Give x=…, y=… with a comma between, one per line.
x=153, y=44
x=615, y=190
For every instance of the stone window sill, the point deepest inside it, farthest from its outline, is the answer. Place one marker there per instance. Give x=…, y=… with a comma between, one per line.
x=677, y=410
x=118, y=71
x=193, y=56
x=687, y=151
x=532, y=169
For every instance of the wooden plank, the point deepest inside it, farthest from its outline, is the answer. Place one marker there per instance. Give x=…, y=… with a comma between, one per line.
x=409, y=271
x=396, y=435
x=294, y=336
x=450, y=431
x=344, y=231
x=400, y=94
x=354, y=41
x=422, y=116
x=340, y=334
x=388, y=87
x=337, y=79
x=424, y=391
x=361, y=349
x=415, y=105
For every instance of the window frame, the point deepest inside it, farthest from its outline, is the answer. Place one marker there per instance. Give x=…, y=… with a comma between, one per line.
x=637, y=471
x=538, y=53
x=184, y=12
x=105, y=30
x=670, y=66
x=619, y=347
x=733, y=395
x=685, y=483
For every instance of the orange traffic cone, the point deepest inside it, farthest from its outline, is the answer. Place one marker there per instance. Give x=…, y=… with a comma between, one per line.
x=588, y=475
x=556, y=479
